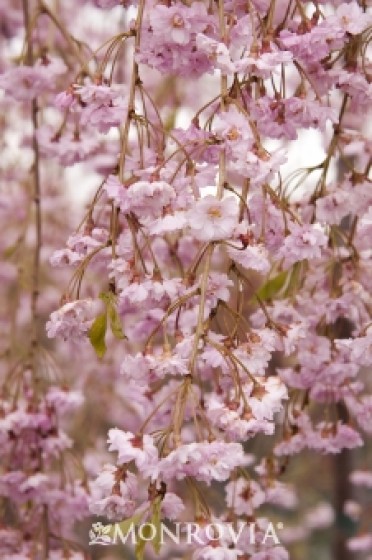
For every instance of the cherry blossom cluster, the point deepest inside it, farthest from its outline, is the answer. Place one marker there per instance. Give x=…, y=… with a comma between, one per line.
x=223, y=291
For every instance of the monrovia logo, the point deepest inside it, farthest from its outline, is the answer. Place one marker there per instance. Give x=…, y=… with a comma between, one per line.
x=100, y=534
x=185, y=533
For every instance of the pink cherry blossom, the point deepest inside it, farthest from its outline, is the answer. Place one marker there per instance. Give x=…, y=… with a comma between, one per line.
x=361, y=543
x=205, y=461
x=304, y=242
x=140, y=449
x=178, y=23
x=216, y=553
x=192, y=180
x=254, y=257
x=25, y=82
x=212, y=219
x=361, y=478
x=172, y=506
x=244, y=496
x=72, y=320
x=113, y=494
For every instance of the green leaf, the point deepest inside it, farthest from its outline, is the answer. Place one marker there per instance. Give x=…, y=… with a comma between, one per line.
x=273, y=286
x=141, y=542
x=9, y=251
x=115, y=322
x=106, y=297
x=147, y=532
x=134, y=520
x=156, y=521
x=140, y=549
x=97, y=333
x=127, y=524
x=109, y=299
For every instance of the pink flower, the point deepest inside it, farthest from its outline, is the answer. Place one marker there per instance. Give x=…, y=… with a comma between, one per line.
x=66, y=100
x=145, y=198
x=140, y=449
x=170, y=364
x=361, y=478
x=364, y=231
x=358, y=350
x=212, y=219
x=253, y=257
x=350, y=18
x=320, y=517
x=103, y=106
x=63, y=401
x=274, y=553
x=330, y=438
x=136, y=367
x=281, y=494
x=175, y=58
x=65, y=257
x=304, y=242
x=264, y=63
x=234, y=421
x=107, y=4
x=216, y=553
x=256, y=352
x=360, y=543
x=352, y=509
x=117, y=192
x=113, y=494
x=291, y=445
x=219, y=286
x=172, y=506
x=204, y=461
x=355, y=84
x=27, y=82
x=258, y=167
x=217, y=53
x=98, y=94
x=281, y=118
x=333, y=207
x=177, y=23
x=312, y=46
x=72, y=320
x=265, y=399
x=170, y=223
x=68, y=148
x=244, y=496
x=150, y=198
x=233, y=128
